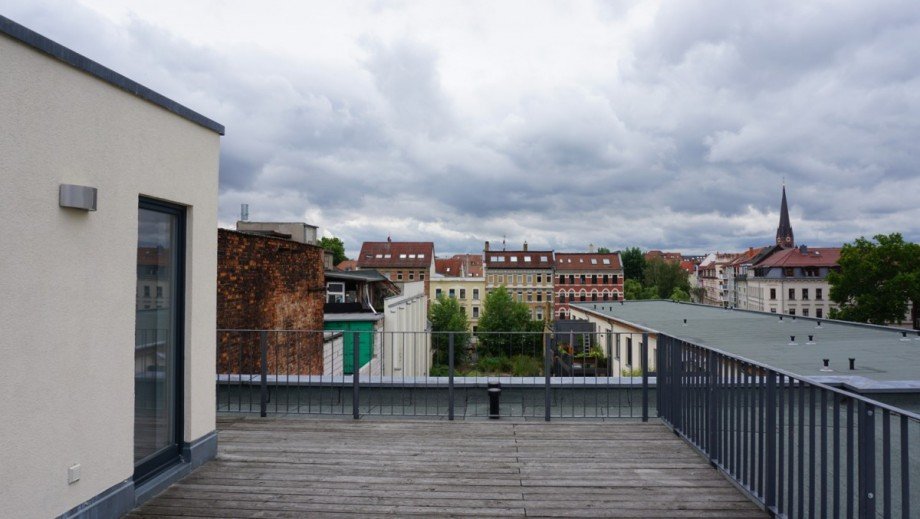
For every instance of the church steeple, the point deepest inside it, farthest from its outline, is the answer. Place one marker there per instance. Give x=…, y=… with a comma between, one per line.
x=784, y=236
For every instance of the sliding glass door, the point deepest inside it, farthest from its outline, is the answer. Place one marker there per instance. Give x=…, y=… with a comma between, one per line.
x=158, y=336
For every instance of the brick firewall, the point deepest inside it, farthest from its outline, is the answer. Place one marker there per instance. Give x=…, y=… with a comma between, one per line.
x=266, y=283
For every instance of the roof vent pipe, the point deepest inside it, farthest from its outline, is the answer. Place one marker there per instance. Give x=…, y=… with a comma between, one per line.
x=852, y=363
x=904, y=337
x=827, y=366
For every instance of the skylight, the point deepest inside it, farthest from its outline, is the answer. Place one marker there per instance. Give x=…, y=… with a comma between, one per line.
x=593, y=261
x=513, y=259
x=527, y=258
x=402, y=256
x=606, y=261
x=379, y=256
x=387, y=256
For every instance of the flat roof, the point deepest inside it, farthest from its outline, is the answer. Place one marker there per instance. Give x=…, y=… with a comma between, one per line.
x=884, y=361
x=78, y=61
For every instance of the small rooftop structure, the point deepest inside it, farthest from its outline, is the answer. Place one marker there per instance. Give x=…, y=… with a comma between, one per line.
x=884, y=361
x=296, y=231
x=396, y=254
x=588, y=261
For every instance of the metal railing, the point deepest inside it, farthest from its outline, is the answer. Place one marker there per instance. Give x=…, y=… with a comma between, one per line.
x=799, y=448
x=362, y=373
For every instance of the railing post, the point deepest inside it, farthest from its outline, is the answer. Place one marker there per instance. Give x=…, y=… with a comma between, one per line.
x=677, y=368
x=450, y=377
x=263, y=374
x=643, y=363
x=547, y=361
x=866, y=445
x=711, y=407
x=355, y=376
x=770, y=474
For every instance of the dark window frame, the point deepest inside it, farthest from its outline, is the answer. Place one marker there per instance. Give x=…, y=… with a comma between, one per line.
x=149, y=468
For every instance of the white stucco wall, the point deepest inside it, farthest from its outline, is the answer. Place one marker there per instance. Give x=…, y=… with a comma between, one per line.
x=68, y=277
x=406, y=345
x=624, y=334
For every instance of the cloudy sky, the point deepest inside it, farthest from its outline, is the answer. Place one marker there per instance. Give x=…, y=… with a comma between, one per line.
x=657, y=124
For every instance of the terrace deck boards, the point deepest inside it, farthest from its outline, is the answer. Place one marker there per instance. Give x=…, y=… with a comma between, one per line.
x=282, y=467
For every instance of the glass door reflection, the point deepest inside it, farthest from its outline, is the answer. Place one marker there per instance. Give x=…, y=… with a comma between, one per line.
x=157, y=336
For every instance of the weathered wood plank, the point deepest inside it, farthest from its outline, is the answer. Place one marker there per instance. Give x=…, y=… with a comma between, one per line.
x=376, y=468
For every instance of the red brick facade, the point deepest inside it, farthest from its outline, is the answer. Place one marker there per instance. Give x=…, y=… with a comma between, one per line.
x=266, y=283
x=586, y=277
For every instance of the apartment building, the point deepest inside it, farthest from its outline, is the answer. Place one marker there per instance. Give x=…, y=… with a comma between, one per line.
x=581, y=277
x=527, y=274
x=110, y=255
x=470, y=292
x=793, y=281
x=400, y=261
x=460, y=265
x=714, y=277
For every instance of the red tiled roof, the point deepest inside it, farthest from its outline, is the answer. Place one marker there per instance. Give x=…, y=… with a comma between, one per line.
x=688, y=266
x=472, y=264
x=396, y=254
x=663, y=256
x=745, y=256
x=347, y=265
x=519, y=259
x=813, y=257
x=587, y=261
x=448, y=267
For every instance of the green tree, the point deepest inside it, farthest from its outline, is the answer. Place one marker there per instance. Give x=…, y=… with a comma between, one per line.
x=877, y=280
x=336, y=247
x=697, y=294
x=446, y=315
x=633, y=264
x=679, y=294
x=501, y=322
x=665, y=276
x=603, y=250
x=632, y=290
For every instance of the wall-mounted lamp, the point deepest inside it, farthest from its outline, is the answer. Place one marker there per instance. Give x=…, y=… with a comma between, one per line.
x=77, y=197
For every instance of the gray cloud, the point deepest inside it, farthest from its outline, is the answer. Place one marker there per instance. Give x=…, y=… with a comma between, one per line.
x=677, y=137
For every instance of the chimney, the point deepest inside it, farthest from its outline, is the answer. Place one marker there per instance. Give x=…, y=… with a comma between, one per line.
x=591, y=248
x=389, y=239
x=487, y=246
x=803, y=249
x=525, y=246
x=244, y=212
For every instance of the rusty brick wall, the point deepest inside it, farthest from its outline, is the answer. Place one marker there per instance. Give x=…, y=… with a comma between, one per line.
x=266, y=283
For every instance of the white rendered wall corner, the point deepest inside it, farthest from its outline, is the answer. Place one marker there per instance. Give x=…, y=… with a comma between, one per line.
x=68, y=276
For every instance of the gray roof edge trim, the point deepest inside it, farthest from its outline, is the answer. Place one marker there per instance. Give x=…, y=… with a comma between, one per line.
x=850, y=391
x=76, y=60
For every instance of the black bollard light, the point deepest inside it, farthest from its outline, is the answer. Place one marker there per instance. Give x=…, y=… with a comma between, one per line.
x=495, y=393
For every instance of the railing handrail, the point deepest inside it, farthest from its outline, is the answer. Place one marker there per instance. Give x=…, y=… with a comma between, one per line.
x=800, y=378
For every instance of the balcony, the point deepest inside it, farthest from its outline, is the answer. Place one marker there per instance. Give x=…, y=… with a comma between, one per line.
x=789, y=441
x=277, y=467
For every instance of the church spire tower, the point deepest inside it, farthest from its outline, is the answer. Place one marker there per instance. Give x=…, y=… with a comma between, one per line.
x=784, y=236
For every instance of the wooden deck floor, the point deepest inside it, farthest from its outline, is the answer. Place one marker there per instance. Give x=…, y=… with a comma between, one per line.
x=331, y=468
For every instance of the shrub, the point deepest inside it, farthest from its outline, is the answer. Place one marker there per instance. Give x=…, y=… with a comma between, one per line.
x=439, y=370
x=525, y=366
x=489, y=364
